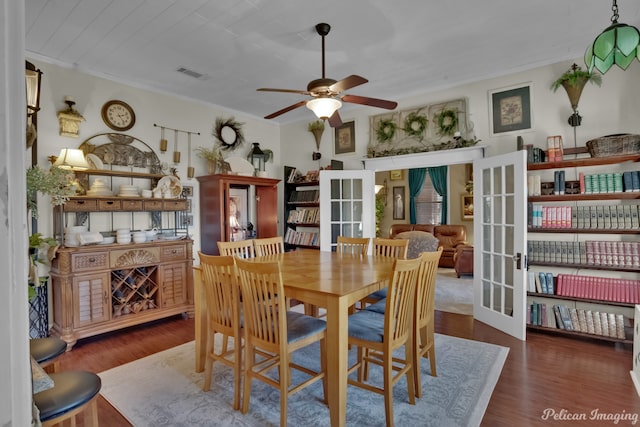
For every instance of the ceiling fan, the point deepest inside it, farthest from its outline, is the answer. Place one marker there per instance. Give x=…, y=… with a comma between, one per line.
x=325, y=93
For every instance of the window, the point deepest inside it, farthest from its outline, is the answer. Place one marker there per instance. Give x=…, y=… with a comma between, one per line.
x=428, y=204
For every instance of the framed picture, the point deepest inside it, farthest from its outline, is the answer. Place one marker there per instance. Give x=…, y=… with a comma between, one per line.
x=510, y=109
x=345, y=139
x=238, y=209
x=467, y=206
x=398, y=202
x=395, y=175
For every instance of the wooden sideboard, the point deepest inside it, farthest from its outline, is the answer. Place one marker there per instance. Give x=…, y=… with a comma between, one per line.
x=102, y=288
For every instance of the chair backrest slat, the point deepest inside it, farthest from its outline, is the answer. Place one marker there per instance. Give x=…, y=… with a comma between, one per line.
x=263, y=302
x=426, y=285
x=394, y=248
x=240, y=248
x=352, y=245
x=400, y=299
x=269, y=246
x=221, y=290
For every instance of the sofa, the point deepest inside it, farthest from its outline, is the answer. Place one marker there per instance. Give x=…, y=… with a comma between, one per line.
x=450, y=237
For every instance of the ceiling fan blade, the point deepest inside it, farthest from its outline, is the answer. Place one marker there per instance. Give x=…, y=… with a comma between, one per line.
x=286, y=110
x=268, y=89
x=335, y=120
x=374, y=102
x=347, y=83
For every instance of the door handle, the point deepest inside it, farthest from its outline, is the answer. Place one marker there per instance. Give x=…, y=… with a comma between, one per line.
x=518, y=261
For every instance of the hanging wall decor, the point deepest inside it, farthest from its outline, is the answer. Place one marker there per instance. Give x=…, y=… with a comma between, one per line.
x=229, y=133
x=431, y=127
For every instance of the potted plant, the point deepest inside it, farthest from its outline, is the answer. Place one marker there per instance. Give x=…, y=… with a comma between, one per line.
x=573, y=81
x=38, y=242
x=213, y=156
x=57, y=183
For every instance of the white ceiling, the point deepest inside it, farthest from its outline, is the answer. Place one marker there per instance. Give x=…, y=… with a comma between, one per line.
x=403, y=47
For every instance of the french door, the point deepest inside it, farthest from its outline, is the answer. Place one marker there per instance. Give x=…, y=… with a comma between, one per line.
x=347, y=206
x=500, y=242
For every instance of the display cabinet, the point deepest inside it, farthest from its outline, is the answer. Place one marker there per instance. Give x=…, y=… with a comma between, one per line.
x=226, y=204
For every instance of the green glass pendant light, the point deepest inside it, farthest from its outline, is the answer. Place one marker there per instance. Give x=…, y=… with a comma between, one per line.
x=618, y=44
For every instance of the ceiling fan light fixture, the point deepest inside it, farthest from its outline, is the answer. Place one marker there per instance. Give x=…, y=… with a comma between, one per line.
x=618, y=44
x=324, y=108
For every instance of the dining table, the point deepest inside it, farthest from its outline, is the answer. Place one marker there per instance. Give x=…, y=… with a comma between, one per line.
x=323, y=279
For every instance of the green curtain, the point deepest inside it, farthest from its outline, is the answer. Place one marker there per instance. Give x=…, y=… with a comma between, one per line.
x=438, y=177
x=416, y=179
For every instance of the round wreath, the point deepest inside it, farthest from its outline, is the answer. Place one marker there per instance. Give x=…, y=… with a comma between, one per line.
x=386, y=130
x=415, y=124
x=235, y=126
x=447, y=121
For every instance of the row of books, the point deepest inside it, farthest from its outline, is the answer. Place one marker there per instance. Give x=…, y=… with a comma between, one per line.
x=541, y=282
x=600, y=183
x=304, y=238
x=535, y=154
x=304, y=216
x=591, y=252
x=304, y=196
x=554, y=148
x=577, y=320
x=607, y=217
x=598, y=288
x=295, y=176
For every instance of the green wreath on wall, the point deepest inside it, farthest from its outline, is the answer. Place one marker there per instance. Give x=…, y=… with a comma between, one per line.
x=447, y=121
x=415, y=124
x=386, y=130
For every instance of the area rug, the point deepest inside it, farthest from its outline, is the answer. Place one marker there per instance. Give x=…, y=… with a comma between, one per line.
x=454, y=295
x=164, y=390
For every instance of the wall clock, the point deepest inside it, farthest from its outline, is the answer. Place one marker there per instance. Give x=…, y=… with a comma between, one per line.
x=118, y=115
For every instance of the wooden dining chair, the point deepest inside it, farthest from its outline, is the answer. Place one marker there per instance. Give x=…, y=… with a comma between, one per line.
x=271, y=329
x=394, y=248
x=424, y=326
x=239, y=248
x=378, y=335
x=352, y=245
x=268, y=246
x=219, y=280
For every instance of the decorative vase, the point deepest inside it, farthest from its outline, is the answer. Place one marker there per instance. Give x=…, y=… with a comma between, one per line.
x=574, y=91
x=317, y=134
x=212, y=165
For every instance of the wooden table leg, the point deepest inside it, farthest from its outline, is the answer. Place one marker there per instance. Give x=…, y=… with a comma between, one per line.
x=201, y=320
x=337, y=359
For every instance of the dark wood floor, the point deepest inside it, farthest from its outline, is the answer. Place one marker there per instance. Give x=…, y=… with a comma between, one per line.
x=547, y=373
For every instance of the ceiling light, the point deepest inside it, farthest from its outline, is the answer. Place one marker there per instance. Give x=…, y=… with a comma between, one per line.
x=617, y=44
x=324, y=108
x=71, y=158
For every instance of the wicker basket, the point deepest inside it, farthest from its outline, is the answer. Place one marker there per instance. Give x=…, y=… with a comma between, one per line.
x=614, y=145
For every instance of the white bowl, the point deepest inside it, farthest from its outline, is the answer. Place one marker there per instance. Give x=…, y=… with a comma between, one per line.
x=108, y=240
x=123, y=240
x=139, y=239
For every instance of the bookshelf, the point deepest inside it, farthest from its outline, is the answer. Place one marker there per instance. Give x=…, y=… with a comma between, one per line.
x=301, y=209
x=583, y=248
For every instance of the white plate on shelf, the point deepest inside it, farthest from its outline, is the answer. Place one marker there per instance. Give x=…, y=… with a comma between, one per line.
x=94, y=161
x=172, y=183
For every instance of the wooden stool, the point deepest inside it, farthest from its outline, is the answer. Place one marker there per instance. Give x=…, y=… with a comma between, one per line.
x=73, y=392
x=45, y=351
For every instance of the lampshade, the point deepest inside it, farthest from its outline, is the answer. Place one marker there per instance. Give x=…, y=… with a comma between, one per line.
x=617, y=44
x=324, y=108
x=71, y=158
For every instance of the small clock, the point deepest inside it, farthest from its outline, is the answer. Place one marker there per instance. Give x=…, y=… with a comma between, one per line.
x=118, y=115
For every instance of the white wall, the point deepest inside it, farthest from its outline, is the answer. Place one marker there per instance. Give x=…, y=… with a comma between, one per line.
x=611, y=108
x=90, y=93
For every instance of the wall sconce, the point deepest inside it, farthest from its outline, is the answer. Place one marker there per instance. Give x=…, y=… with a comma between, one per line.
x=72, y=159
x=381, y=191
x=33, y=77
x=257, y=157
x=69, y=119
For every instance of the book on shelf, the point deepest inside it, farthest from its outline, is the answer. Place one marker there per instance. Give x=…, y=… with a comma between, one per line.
x=543, y=282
